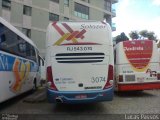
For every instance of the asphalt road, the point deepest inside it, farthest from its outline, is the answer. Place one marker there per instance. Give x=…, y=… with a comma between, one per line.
x=35, y=106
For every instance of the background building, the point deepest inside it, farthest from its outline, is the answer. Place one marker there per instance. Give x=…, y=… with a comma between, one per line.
x=33, y=16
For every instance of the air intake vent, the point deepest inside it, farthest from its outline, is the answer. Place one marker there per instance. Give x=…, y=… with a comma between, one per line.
x=79, y=57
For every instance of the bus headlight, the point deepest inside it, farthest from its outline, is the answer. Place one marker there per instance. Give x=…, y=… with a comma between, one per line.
x=111, y=82
x=49, y=84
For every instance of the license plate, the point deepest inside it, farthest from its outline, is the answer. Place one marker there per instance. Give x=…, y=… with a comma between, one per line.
x=80, y=96
x=140, y=79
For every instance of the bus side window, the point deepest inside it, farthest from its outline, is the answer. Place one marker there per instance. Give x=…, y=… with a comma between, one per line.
x=2, y=41
x=2, y=33
x=2, y=38
x=31, y=52
x=22, y=47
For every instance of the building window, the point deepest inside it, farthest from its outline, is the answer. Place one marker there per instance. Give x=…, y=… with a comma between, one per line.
x=81, y=11
x=56, y=1
x=65, y=19
x=6, y=4
x=107, y=5
x=27, y=10
x=86, y=1
x=27, y=32
x=66, y=3
x=53, y=17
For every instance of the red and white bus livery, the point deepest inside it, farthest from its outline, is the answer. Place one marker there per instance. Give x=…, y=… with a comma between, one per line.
x=137, y=65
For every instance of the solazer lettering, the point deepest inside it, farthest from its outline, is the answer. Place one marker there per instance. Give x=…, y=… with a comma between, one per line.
x=84, y=26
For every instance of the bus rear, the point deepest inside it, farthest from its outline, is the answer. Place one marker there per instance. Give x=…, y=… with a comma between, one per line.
x=79, y=61
x=137, y=65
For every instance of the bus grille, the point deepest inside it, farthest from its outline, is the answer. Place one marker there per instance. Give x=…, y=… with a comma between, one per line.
x=129, y=78
x=79, y=57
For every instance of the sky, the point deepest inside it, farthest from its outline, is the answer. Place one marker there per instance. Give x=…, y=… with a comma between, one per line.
x=137, y=15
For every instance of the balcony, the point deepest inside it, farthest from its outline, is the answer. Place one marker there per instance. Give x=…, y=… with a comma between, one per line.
x=114, y=1
x=113, y=12
x=113, y=26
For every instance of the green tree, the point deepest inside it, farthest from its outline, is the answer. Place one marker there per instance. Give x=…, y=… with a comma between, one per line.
x=151, y=36
x=121, y=37
x=134, y=35
x=143, y=34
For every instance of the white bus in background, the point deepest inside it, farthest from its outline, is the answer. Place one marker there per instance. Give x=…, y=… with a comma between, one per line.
x=18, y=62
x=42, y=70
x=137, y=65
x=79, y=62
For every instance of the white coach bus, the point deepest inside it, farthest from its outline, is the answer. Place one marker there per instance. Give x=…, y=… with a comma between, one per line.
x=79, y=62
x=137, y=65
x=18, y=62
